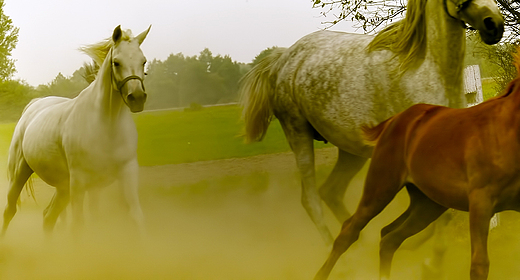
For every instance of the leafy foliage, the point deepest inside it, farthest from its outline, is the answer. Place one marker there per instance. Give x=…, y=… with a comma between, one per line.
x=14, y=96
x=8, y=41
x=373, y=14
x=369, y=14
x=64, y=86
x=502, y=56
x=511, y=11
x=262, y=55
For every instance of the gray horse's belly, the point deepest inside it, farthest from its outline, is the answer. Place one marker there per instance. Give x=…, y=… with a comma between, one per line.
x=346, y=135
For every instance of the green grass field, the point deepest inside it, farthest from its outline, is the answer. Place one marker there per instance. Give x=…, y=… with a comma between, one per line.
x=171, y=137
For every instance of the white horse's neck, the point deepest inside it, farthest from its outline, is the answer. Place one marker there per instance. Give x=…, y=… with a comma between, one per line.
x=106, y=97
x=446, y=45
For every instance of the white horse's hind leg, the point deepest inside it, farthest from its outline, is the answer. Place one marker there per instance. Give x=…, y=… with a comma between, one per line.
x=77, y=196
x=299, y=135
x=94, y=195
x=129, y=184
x=58, y=203
x=18, y=174
x=333, y=190
x=63, y=215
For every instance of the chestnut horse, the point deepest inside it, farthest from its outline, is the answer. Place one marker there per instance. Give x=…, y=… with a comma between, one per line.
x=465, y=159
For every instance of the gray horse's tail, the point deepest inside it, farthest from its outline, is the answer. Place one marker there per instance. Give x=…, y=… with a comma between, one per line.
x=256, y=95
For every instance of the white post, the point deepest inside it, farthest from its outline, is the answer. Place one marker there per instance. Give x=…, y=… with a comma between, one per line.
x=473, y=85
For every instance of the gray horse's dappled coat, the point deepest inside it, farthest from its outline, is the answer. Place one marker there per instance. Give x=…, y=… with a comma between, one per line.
x=328, y=84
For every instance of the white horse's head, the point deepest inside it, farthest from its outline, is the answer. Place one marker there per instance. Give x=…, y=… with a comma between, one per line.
x=128, y=64
x=483, y=15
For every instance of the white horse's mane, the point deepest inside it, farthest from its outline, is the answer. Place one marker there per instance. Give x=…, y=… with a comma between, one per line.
x=98, y=51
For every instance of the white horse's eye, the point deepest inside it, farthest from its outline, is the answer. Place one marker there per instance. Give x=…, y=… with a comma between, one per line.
x=116, y=64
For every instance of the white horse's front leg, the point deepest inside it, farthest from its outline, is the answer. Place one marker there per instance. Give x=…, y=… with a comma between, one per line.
x=129, y=184
x=77, y=196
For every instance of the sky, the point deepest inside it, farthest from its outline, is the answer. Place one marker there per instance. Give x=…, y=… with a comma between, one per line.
x=51, y=31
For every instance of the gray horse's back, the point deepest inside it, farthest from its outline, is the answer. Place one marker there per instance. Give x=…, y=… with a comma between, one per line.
x=331, y=80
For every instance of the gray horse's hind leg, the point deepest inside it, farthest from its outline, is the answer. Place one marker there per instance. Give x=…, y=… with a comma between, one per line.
x=18, y=175
x=333, y=190
x=432, y=267
x=299, y=134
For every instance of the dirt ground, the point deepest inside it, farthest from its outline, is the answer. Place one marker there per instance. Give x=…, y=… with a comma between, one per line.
x=226, y=219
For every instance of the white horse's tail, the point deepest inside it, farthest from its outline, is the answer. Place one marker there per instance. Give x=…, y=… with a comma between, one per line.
x=29, y=185
x=256, y=91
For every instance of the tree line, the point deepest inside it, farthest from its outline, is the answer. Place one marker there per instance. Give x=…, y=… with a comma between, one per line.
x=178, y=81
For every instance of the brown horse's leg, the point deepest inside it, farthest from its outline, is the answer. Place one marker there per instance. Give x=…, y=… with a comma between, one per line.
x=480, y=213
x=333, y=190
x=348, y=235
x=422, y=212
x=397, y=222
x=299, y=134
x=380, y=189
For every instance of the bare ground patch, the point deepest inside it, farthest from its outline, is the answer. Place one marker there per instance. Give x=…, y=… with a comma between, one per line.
x=226, y=219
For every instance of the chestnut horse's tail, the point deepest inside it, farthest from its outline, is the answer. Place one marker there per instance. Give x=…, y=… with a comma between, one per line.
x=371, y=134
x=256, y=95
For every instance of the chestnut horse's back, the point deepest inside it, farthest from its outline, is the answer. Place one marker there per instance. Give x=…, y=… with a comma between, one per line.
x=372, y=134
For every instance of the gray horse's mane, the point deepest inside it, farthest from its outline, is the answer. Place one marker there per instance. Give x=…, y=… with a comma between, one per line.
x=407, y=37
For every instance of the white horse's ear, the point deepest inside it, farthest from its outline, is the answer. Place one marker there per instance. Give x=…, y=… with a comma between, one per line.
x=140, y=38
x=116, y=36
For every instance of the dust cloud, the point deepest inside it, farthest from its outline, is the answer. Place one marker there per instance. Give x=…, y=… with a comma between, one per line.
x=229, y=219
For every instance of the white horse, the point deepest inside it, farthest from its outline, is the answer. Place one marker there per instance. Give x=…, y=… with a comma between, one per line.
x=87, y=142
x=328, y=84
